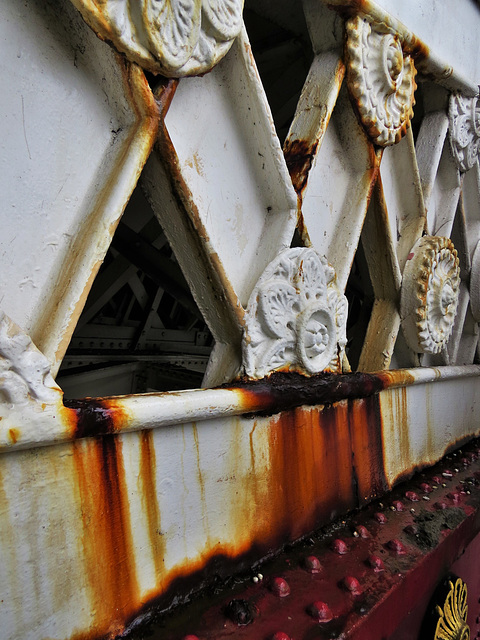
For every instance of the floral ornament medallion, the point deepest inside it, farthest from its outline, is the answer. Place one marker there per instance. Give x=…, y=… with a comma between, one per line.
x=452, y=615
x=429, y=296
x=173, y=37
x=464, y=116
x=296, y=317
x=381, y=80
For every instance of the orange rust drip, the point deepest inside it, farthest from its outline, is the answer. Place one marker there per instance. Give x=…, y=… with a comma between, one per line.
x=106, y=537
x=148, y=495
x=310, y=470
x=365, y=423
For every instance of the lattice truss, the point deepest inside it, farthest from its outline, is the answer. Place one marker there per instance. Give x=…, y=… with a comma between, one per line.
x=357, y=201
x=218, y=182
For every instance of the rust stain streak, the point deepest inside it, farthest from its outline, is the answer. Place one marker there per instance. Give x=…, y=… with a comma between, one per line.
x=106, y=536
x=148, y=496
x=201, y=480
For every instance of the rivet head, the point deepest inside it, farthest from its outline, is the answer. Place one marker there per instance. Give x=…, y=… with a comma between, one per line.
x=380, y=517
x=441, y=505
x=350, y=583
x=376, y=563
x=312, y=564
x=320, y=611
x=239, y=611
x=412, y=496
x=398, y=505
x=279, y=587
x=190, y=637
x=437, y=479
x=454, y=497
x=280, y=636
x=426, y=488
x=339, y=547
x=411, y=529
x=363, y=532
x=396, y=546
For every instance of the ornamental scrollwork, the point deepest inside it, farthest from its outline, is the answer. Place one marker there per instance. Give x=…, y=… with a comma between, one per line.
x=429, y=295
x=464, y=117
x=381, y=80
x=296, y=317
x=452, y=615
x=176, y=38
x=25, y=373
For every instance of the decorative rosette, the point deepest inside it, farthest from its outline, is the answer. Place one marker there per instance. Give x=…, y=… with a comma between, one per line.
x=296, y=317
x=381, y=80
x=173, y=37
x=429, y=296
x=464, y=116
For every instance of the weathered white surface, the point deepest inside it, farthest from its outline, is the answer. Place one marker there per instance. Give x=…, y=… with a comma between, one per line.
x=227, y=169
x=68, y=126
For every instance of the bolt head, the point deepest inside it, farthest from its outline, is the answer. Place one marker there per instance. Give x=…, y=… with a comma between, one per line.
x=280, y=636
x=320, y=611
x=279, y=587
x=339, y=546
x=426, y=488
x=363, y=532
x=312, y=564
x=398, y=505
x=437, y=479
x=454, y=496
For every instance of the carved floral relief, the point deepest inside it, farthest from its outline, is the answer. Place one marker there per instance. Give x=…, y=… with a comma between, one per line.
x=429, y=296
x=464, y=116
x=381, y=80
x=296, y=317
x=173, y=37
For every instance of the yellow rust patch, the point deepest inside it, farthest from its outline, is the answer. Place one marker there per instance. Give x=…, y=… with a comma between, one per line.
x=13, y=435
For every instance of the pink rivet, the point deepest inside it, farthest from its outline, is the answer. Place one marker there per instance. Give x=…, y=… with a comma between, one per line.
x=339, y=547
x=465, y=461
x=376, y=563
x=320, y=611
x=350, y=583
x=397, y=546
x=280, y=636
x=279, y=587
x=441, y=505
x=426, y=488
x=363, y=531
x=398, y=504
x=437, y=479
x=312, y=564
x=412, y=496
x=380, y=517
x=190, y=637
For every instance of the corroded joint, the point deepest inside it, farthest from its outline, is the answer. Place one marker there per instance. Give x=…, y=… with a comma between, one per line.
x=381, y=80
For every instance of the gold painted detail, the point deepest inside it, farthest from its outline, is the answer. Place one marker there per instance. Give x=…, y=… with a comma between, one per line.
x=452, y=623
